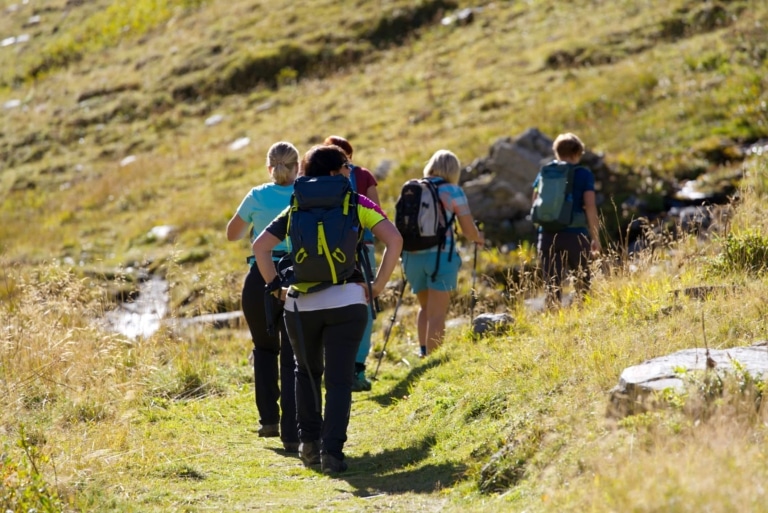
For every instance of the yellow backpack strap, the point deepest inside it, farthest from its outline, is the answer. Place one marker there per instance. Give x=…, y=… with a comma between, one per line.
x=346, y=203
x=322, y=249
x=294, y=208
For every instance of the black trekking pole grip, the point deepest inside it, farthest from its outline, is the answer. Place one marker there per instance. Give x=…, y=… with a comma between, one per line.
x=479, y=225
x=269, y=313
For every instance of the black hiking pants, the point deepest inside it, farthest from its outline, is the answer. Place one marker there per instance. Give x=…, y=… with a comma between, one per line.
x=267, y=349
x=328, y=343
x=562, y=253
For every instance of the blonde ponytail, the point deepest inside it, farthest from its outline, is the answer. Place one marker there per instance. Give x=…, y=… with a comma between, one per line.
x=283, y=158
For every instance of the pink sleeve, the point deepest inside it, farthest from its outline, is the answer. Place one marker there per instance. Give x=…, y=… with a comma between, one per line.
x=368, y=203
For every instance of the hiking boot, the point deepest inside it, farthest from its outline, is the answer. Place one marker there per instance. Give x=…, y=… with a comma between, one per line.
x=332, y=465
x=309, y=452
x=292, y=447
x=360, y=383
x=269, y=430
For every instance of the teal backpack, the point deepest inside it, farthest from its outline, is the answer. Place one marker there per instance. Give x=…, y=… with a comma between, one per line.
x=553, y=208
x=324, y=230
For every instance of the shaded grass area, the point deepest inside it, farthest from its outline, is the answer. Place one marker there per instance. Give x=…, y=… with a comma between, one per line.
x=321, y=56
x=402, y=387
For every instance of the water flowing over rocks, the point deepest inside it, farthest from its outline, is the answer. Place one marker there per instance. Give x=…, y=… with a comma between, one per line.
x=146, y=311
x=143, y=307
x=142, y=315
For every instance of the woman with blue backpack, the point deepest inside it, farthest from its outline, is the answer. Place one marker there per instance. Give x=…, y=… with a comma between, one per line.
x=273, y=383
x=564, y=208
x=327, y=296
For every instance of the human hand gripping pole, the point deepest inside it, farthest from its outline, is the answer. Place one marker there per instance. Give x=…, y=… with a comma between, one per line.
x=273, y=308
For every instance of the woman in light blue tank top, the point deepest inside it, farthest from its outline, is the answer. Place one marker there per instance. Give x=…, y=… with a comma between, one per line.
x=272, y=385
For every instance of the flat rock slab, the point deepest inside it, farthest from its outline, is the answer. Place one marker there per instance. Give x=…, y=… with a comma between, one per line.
x=217, y=321
x=638, y=383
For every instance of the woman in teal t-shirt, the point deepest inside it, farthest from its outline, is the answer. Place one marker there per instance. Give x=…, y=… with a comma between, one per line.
x=262, y=204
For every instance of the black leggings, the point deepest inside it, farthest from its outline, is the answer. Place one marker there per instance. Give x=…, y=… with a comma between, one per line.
x=266, y=349
x=328, y=344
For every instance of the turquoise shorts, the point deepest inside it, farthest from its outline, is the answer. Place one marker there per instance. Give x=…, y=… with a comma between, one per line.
x=419, y=267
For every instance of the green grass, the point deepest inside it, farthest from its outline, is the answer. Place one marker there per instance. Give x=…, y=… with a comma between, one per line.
x=104, y=29
x=91, y=421
x=424, y=438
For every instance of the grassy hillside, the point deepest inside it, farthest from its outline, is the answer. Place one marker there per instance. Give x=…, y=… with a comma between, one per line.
x=104, y=136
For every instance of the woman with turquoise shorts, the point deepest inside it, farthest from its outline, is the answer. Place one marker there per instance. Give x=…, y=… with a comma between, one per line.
x=433, y=289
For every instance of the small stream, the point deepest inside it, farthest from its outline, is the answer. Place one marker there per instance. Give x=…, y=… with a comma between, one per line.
x=143, y=316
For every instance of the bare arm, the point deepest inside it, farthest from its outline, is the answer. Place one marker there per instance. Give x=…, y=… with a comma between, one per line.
x=373, y=194
x=236, y=228
x=470, y=231
x=262, y=250
x=593, y=223
x=386, y=232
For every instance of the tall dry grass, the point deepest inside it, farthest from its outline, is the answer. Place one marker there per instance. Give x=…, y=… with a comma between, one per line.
x=71, y=389
x=98, y=407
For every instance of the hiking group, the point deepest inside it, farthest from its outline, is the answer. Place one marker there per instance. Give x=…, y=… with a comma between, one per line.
x=309, y=297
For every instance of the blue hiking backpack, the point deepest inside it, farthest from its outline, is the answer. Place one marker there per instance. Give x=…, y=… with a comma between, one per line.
x=553, y=208
x=324, y=230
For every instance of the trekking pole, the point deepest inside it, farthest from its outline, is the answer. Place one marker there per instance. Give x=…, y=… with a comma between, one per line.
x=301, y=345
x=473, y=300
x=391, y=325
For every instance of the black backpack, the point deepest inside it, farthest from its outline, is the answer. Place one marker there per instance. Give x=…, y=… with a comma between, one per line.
x=421, y=219
x=324, y=231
